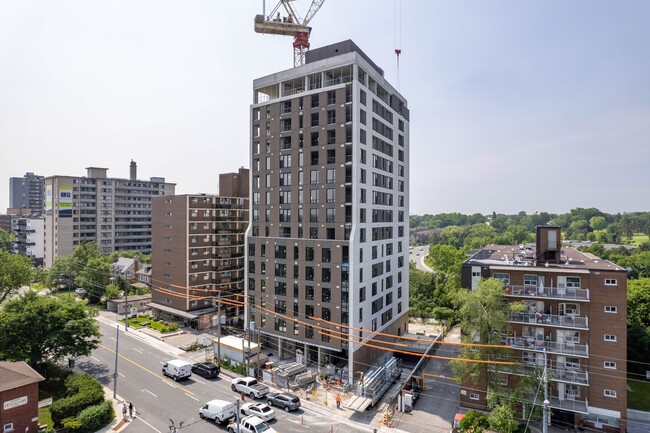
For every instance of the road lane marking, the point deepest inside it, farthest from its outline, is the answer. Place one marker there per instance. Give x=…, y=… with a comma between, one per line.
x=191, y=397
x=298, y=422
x=162, y=362
x=95, y=358
x=137, y=350
x=147, y=370
x=175, y=336
x=121, y=374
x=140, y=418
x=196, y=380
x=113, y=338
x=146, y=390
x=169, y=383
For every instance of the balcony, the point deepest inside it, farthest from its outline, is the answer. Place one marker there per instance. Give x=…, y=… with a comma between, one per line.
x=579, y=322
x=529, y=343
x=548, y=293
x=578, y=406
x=570, y=376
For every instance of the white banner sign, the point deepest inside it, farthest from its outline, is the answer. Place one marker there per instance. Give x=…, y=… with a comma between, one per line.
x=10, y=404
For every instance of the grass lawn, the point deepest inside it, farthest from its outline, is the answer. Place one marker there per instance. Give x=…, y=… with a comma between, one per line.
x=639, y=397
x=638, y=239
x=154, y=325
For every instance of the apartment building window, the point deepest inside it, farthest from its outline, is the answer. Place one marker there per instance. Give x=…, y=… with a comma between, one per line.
x=331, y=117
x=285, y=161
x=285, y=215
x=610, y=309
x=362, y=136
x=610, y=282
x=610, y=393
x=568, y=309
x=360, y=255
x=309, y=333
x=331, y=97
x=168, y=251
x=362, y=235
x=331, y=175
x=313, y=215
x=572, y=390
x=505, y=278
x=168, y=214
x=331, y=194
x=530, y=280
x=573, y=282
x=326, y=275
x=326, y=255
x=280, y=325
x=285, y=179
x=610, y=364
x=313, y=233
x=331, y=215
x=313, y=177
x=610, y=337
x=313, y=196
x=326, y=313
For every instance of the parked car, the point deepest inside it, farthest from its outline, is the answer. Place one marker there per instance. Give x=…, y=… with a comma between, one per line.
x=284, y=400
x=177, y=369
x=251, y=424
x=249, y=386
x=80, y=290
x=258, y=409
x=217, y=410
x=206, y=369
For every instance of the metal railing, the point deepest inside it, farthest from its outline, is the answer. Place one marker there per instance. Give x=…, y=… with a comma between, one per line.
x=548, y=292
x=530, y=343
x=580, y=322
x=570, y=405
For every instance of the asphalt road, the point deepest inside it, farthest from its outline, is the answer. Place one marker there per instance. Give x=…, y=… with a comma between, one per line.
x=417, y=254
x=158, y=399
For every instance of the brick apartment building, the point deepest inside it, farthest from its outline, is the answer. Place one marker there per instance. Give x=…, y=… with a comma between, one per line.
x=198, y=245
x=576, y=312
x=18, y=397
x=329, y=206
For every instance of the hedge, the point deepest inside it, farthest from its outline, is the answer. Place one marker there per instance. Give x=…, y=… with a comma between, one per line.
x=95, y=417
x=82, y=391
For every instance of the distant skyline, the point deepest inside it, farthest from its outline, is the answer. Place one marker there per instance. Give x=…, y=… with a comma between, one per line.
x=534, y=106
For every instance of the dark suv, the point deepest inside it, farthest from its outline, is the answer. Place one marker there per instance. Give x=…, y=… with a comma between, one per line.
x=284, y=400
x=205, y=369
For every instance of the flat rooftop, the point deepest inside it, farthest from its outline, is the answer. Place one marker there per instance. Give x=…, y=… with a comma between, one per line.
x=521, y=256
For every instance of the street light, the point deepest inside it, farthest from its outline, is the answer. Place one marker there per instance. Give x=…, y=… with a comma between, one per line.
x=544, y=418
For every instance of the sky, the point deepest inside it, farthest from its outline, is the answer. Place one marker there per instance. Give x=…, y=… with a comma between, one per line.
x=515, y=105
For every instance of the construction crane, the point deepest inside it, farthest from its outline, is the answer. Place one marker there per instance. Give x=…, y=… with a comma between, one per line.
x=289, y=25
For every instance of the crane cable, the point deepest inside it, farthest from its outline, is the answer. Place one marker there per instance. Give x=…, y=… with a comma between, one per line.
x=398, y=31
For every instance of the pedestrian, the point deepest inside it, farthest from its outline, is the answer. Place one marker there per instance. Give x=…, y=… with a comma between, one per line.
x=131, y=409
x=124, y=411
x=338, y=400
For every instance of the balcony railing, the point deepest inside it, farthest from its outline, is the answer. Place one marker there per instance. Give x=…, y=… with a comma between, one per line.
x=548, y=292
x=578, y=377
x=580, y=322
x=529, y=343
x=570, y=405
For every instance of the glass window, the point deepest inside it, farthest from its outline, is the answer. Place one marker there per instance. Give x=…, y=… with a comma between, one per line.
x=503, y=277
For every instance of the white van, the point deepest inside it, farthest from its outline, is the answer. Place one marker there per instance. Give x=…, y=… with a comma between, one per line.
x=177, y=369
x=217, y=410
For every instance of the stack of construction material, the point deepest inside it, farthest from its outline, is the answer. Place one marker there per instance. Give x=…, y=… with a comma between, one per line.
x=379, y=380
x=304, y=379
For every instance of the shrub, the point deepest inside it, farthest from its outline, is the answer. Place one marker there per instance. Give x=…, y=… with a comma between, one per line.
x=95, y=417
x=477, y=421
x=82, y=391
x=72, y=424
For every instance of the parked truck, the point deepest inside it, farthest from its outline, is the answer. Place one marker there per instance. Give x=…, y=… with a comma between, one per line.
x=249, y=386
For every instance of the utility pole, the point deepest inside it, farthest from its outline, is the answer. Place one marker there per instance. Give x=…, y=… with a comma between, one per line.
x=117, y=341
x=248, y=359
x=219, y=336
x=546, y=402
x=126, y=308
x=257, y=370
x=237, y=414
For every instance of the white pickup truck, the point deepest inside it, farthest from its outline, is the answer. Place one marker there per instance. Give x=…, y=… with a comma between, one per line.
x=251, y=424
x=249, y=386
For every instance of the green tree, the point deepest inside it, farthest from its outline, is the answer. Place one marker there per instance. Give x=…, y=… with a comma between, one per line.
x=502, y=419
x=15, y=272
x=36, y=328
x=5, y=241
x=638, y=301
x=94, y=277
x=598, y=223
x=484, y=315
x=113, y=291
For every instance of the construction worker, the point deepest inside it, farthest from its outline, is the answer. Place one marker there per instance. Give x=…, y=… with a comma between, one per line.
x=277, y=17
x=338, y=400
x=290, y=19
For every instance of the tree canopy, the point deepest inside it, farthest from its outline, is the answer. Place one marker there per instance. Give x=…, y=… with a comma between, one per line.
x=15, y=271
x=5, y=241
x=36, y=328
